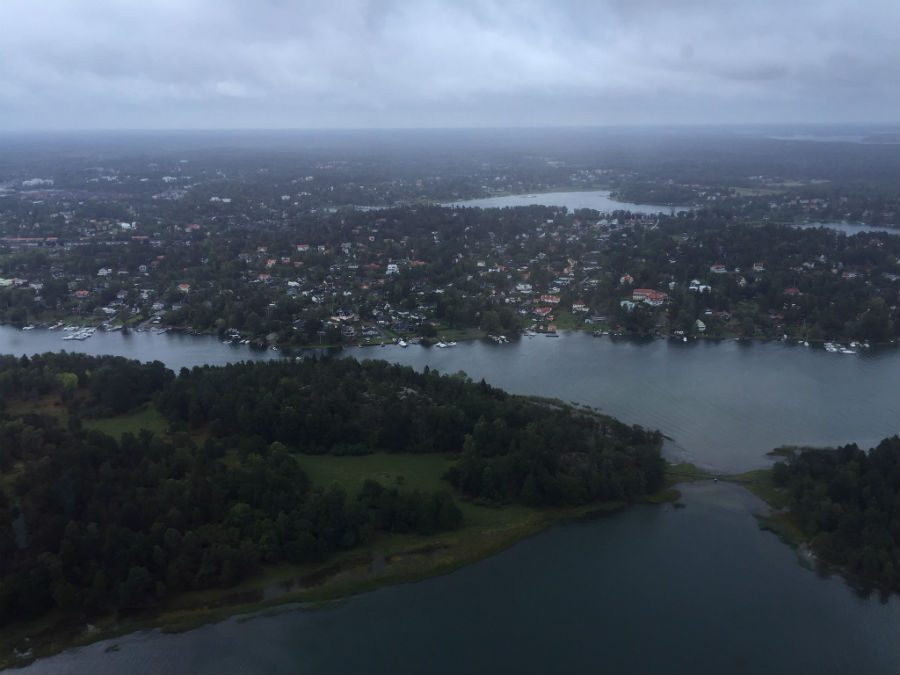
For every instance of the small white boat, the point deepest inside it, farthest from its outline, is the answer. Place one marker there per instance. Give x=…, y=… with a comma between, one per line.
x=450, y=344
x=28, y=327
x=441, y=345
x=402, y=343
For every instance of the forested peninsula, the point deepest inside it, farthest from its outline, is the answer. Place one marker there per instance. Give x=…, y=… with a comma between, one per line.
x=844, y=502
x=125, y=488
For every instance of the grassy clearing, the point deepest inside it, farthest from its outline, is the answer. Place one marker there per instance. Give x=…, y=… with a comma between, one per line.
x=146, y=417
x=412, y=472
x=664, y=496
x=459, y=334
x=403, y=471
x=784, y=526
x=51, y=406
x=780, y=521
x=760, y=483
x=685, y=472
x=568, y=321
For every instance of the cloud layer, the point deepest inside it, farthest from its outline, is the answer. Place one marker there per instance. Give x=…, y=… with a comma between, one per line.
x=362, y=63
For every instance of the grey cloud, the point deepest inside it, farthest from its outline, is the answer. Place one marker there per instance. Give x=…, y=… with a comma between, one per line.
x=172, y=63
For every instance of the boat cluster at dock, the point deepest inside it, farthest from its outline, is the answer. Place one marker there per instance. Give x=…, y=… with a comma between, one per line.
x=400, y=342
x=77, y=333
x=852, y=348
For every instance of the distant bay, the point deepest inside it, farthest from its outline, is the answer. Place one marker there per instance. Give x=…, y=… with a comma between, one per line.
x=599, y=200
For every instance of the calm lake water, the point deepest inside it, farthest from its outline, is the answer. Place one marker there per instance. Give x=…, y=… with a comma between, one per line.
x=598, y=200
x=176, y=350
x=723, y=404
x=652, y=590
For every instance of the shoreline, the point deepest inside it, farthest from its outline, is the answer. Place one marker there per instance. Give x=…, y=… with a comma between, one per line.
x=407, y=559
x=347, y=575
x=460, y=335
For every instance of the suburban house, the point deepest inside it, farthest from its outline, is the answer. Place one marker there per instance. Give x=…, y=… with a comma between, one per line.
x=649, y=296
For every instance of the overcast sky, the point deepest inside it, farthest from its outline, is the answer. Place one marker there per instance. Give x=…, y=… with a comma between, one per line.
x=68, y=64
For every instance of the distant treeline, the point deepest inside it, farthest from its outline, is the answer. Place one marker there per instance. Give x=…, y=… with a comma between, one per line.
x=89, y=523
x=848, y=502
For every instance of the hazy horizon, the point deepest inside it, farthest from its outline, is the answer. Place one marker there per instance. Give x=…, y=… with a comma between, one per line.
x=696, y=128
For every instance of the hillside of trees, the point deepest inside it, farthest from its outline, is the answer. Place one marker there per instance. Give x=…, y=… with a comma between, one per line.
x=90, y=523
x=846, y=501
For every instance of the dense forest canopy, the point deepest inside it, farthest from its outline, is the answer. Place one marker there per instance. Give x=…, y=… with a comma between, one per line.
x=90, y=523
x=848, y=501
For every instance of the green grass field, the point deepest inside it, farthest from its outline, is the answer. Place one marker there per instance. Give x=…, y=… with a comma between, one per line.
x=760, y=483
x=51, y=406
x=684, y=472
x=404, y=471
x=567, y=321
x=460, y=334
x=146, y=417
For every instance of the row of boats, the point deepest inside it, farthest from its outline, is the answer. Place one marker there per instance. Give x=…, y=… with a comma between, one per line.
x=78, y=333
x=440, y=345
x=852, y=348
